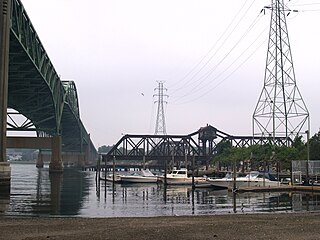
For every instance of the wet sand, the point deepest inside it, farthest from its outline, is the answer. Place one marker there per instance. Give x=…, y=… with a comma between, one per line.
x=233, y=226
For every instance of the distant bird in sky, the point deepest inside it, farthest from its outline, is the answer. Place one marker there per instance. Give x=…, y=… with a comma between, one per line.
x=142, y=94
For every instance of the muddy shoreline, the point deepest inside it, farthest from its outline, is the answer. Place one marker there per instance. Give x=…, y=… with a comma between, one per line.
x=232, y=226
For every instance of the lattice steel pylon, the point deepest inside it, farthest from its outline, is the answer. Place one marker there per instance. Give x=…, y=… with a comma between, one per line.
x=160, y=128
x=280, y=111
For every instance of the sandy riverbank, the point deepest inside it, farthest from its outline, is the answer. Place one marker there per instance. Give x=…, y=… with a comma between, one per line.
x=252, y=226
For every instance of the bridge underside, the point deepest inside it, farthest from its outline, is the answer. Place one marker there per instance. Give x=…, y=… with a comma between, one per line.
x=36, y=91
x=31, y=96
x=30, y=85
x=27, y=92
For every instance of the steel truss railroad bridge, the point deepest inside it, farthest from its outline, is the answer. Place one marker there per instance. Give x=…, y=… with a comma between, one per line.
x=200, y=145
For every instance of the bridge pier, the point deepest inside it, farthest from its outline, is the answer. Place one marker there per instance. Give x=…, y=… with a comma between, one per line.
x=5, y=176
x=56, y=165
x=5, y=170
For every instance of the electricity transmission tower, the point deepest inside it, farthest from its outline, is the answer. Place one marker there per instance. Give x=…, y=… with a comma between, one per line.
x=160, y=122
x=280, y=111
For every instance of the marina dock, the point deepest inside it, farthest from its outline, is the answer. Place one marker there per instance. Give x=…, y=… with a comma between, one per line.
x=282, y=188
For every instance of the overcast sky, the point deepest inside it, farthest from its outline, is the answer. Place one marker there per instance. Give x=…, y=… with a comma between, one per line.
x=209, y=54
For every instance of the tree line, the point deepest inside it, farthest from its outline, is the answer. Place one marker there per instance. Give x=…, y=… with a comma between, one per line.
x=257, y=156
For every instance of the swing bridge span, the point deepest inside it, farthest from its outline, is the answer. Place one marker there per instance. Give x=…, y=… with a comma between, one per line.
x=200, y=145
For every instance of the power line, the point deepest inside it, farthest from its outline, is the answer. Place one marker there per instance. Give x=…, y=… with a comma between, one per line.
x=187, y=83
x=227, y=77
x=198, y=84
x=205, y=76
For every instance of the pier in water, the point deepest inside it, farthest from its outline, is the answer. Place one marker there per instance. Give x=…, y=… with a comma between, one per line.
x=76, y=193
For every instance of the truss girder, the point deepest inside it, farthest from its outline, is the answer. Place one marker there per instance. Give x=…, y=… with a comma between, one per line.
x=151, y=147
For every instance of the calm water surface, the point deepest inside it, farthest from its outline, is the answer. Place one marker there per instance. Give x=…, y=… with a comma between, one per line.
x=75, y=193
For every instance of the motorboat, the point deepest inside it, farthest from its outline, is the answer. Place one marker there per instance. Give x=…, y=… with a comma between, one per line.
x=252, y=179
x=221, y=183
x=180, y=177
x=109, y=178
x=256, y=179
x=145, y=176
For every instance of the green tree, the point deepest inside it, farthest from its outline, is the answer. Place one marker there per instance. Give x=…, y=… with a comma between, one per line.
x=257, y=156
x=104, y=149
x=223, y=147
x=314, y=145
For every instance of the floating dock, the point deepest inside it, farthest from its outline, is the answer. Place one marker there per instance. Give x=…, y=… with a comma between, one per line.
x=282, y=188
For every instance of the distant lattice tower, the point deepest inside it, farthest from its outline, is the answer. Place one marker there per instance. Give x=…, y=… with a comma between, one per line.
x=160, y=122
x=280, y=111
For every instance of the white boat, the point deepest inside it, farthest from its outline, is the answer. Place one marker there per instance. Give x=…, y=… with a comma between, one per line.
x=180, y=177
x=221, y=183
x=256, y=179
x=109, y=178
x=252, y=179
x=145, y=176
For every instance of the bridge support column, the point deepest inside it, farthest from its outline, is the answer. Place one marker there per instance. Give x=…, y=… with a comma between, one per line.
x=5, y=176
x=56, y=165
x=5, y=170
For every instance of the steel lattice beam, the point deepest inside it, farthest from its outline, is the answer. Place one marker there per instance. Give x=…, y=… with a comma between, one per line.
x=151, y=147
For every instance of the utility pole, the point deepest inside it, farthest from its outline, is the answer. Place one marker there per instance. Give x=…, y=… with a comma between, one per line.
x=280, y=111
x=160, y=122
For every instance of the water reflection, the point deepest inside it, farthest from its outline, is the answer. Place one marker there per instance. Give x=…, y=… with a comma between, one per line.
x=75, y=189
x=55, y=183
x=75, y=193
x=183, y=200
x=306, y=202
x=36, y=192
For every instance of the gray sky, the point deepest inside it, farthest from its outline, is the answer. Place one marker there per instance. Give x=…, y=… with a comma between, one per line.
x=210, y=54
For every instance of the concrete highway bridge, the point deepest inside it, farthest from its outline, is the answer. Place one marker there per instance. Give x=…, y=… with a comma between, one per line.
x=30, y=85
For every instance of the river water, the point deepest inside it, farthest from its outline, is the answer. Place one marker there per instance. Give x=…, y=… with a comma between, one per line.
x=76, y=193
